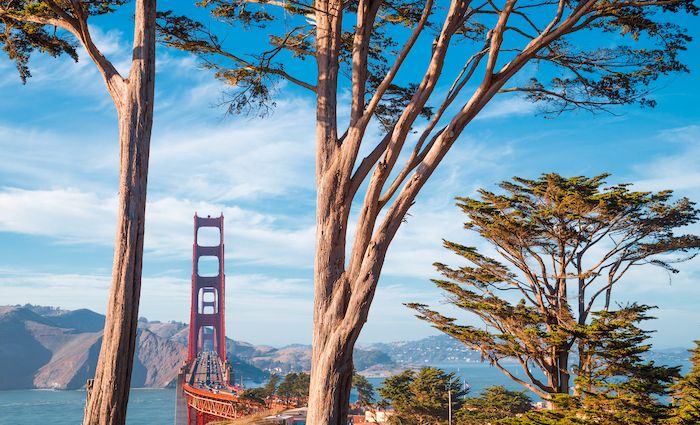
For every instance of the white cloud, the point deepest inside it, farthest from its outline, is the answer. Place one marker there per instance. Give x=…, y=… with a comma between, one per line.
x=251, y=237
x=239, y=158
x=507, y=107
x=678, y=171
x=68, y=215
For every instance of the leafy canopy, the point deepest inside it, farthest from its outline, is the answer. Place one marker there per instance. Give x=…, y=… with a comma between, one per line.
x=563, y=244
x=686, y=393
x=619, y=386
x=494, y=404
x=642, y=45
x=422, y=397
x=47, y=26
x=365, y=390
x=294, y=385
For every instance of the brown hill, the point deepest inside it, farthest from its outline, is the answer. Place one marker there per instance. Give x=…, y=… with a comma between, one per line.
x=45, y=347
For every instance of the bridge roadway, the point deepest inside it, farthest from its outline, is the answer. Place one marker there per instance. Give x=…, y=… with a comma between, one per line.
x=211, y=398
x=208, y=374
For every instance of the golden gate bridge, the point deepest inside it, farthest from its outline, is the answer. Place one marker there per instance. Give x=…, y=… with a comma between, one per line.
x=204, y=390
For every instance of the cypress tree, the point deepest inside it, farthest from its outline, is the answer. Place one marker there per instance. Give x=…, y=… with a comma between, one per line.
x=686, y=393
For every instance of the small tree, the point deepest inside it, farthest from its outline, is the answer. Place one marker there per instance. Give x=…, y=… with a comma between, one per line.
x=286, y=387
x=256, y=395
x=294, y=385
x=261, y=394
x=56, y=27
x=495, y=403
x=271, y=385
x=422, y=397
x=589, y=54
x=570, y=241
x=365, y=390
x=619, y=386
x=686, y=393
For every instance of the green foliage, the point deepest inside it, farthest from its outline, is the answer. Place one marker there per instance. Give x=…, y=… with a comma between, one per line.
x=686, y=393
x=494, y=404
x=422, y=397
x=294, y=385
x=365, y=390
x=271, y=386
x=566, y=411
x=555, y=232
x=618, y=385
x=256, y=395
x=254, y=75
x=28, y=26
x=261, y=394
x=641, y=47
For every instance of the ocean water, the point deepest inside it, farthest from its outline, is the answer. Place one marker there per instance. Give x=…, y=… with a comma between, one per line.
x=157, y=406
x=39, y=407
x=477, y=376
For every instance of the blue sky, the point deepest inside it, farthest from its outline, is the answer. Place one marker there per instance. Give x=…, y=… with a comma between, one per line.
x=58, y=184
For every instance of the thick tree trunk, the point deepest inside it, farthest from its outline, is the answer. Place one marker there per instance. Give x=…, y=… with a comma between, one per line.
x=331, y=380
x=338, y=320
x=109, y=393
x=331, y=371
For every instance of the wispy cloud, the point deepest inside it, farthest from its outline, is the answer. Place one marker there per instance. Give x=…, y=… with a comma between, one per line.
x=238, y=158
x=71, y=216
x=507, y=107
x=679, y=171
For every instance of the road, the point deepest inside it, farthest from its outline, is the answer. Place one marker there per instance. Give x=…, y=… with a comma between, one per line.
x=209, y=373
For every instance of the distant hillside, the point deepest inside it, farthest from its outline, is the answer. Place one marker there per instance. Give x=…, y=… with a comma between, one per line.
x=434, y=350
x=297, y=357
x=44, y=347
x=443, y=350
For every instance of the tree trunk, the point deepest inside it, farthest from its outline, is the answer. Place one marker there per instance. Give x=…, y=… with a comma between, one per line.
x=331, y=358
x=338, y=320
x=331, y=381
x=564, y=374
x=107, y=400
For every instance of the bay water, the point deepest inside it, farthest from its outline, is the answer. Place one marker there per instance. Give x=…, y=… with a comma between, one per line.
x=157, y=406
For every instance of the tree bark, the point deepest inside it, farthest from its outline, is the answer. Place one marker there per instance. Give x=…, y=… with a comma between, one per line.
x=107, y=400
x=342, y=296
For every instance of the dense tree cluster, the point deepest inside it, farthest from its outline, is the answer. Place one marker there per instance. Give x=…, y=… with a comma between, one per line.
x=294, y=386
x=493, y=404
x=618, y=387
x=422, y=397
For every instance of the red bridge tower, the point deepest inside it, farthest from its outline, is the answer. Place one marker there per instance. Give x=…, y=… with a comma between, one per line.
x=207, y=312
x=204, y=392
